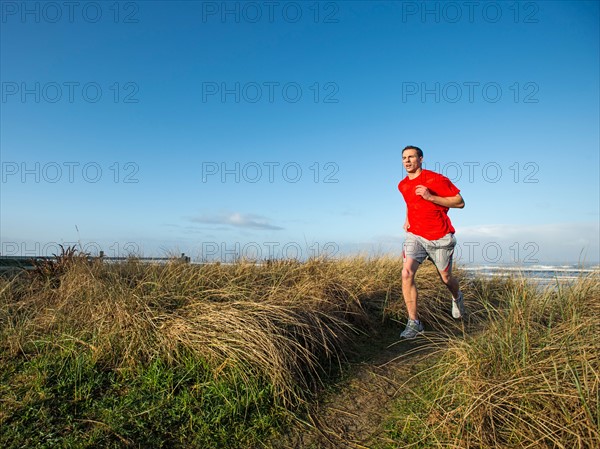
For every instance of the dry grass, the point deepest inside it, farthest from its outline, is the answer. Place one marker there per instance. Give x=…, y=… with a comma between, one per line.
x=526, y=375
x=284, y=320
x=529, y=380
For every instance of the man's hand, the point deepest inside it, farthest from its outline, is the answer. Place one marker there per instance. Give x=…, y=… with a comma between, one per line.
x=423, y=192
x=447, y=201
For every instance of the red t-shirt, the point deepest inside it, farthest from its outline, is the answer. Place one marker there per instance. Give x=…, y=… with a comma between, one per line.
x=425, y=218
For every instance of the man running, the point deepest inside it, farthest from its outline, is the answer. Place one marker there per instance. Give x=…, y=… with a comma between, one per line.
x=429, y=233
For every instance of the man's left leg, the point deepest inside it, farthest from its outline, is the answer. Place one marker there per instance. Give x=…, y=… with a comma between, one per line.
x=451, y=282
x=442, y=258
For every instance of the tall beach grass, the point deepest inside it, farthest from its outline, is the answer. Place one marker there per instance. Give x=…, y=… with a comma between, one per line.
x=529, y=379
x=225, y=356
x=96, y=354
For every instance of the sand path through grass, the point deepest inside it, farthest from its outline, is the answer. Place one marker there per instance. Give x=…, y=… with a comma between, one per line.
x=353, y=413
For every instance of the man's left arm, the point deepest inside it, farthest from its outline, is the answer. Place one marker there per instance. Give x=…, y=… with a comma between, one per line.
x=455, y=201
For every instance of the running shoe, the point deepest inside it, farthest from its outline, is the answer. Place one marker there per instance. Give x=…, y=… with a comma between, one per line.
x=458, y=306
x=413, y=329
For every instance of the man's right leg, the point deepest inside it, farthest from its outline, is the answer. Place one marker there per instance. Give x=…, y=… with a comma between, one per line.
x=413, y=254
x=409, y=288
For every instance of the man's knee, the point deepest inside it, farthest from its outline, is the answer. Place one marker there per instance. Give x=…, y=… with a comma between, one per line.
x=446, y=277
x=408, y=273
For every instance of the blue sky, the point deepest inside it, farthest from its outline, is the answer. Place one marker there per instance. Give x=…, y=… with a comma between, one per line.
x=276, y=129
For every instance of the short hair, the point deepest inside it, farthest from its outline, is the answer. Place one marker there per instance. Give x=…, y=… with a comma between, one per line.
x=412, y=147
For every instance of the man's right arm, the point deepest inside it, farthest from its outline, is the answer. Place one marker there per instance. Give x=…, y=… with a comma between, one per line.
x=406, y=223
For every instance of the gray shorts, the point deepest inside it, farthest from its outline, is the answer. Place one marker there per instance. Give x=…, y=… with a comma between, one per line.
x=439, y=251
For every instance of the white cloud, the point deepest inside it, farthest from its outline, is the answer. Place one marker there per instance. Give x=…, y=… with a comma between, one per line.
x=585, y=232
x=237, y=220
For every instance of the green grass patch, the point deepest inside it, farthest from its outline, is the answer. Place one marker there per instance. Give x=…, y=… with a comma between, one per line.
x=65, y=399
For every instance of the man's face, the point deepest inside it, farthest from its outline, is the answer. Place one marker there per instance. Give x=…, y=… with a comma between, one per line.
x=412, y=162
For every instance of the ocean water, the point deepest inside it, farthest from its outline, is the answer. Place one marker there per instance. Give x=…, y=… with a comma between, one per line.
x=541, y=274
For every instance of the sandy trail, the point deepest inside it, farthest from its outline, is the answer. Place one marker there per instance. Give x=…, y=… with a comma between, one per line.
x=354, y=414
